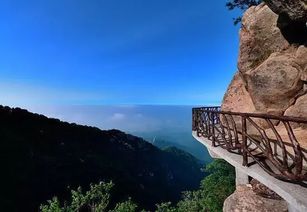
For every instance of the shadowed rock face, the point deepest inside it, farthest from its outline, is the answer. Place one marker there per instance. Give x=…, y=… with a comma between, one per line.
x=292, y=18
x=295, y=32
x=272, y=70
x=296, y=10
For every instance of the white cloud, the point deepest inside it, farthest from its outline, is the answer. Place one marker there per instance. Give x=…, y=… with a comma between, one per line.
x=118, y=117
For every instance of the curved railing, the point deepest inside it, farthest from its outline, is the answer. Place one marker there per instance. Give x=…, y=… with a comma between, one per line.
x=277, y=143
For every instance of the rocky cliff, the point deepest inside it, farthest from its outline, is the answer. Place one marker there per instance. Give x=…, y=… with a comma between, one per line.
x=271, y=79
x=272, y=64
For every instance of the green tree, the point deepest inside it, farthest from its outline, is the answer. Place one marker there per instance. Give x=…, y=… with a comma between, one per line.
x=96, y=199
x=165, y=207
x=52, y=206
x=127, y=206
x=218, y=185
x=214, y=189
x=242, y=5
x=192, y=201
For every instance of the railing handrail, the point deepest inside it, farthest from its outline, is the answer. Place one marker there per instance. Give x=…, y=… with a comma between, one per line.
x=246, y=134
x=257, y=115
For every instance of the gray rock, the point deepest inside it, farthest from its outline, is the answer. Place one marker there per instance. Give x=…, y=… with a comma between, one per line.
x=296, y=10
x=259, y=37
x=244, y=199
x=299, y=109
x=237, y=99
x=275, y=84
x=272, y=73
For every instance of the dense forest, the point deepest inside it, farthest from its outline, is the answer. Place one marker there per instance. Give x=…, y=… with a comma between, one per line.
x=44, y=157
x=210, y=196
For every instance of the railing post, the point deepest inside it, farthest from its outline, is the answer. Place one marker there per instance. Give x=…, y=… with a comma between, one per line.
x=193, y=119
x=213, y=130
x=196, y=120
x=244, y=141
x=207, y=124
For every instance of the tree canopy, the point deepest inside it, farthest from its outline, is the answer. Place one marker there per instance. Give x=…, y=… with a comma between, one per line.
x=213, y=190
x=242, y=5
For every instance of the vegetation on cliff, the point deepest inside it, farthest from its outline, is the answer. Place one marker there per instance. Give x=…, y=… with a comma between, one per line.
x=45, y=157
x=214, y=189
x=242, y=5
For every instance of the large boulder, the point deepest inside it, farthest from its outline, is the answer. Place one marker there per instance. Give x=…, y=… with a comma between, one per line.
x=301, y=60
x=296, y=10
x=275, y=84
x=299, y=109
x=272, y=72
x=259, y=37
x=237, y=99
x=244, y=199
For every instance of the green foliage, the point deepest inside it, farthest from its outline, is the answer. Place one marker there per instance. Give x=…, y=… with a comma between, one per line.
x=214, y=189
x=52, y=206
x=96, y=199
x=192, y=201
x=242, y=5
x=127, y=206
x=43, y=156
x=165, y=207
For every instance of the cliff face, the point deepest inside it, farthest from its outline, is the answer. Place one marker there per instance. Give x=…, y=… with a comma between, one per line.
x=272, y=64
x=295, y=10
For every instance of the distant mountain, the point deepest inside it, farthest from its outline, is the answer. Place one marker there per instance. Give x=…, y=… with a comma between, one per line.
x=185, y=157
x=180, y=140
x=42, y=157
x=166, y=145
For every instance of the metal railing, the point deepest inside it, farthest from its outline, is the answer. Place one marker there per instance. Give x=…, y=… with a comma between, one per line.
x=277, y=143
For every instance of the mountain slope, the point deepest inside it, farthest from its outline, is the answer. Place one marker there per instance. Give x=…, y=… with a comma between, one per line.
x=179, y=139
x=42, y=157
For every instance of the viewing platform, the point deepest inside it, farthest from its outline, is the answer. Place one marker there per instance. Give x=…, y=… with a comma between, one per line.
x=271, y=149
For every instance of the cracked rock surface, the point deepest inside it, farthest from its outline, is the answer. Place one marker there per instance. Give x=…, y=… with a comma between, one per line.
x=272, y=72
x=296, y=10
x=245, y=199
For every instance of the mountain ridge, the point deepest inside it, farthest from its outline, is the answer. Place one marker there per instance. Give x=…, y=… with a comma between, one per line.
x=44, y=156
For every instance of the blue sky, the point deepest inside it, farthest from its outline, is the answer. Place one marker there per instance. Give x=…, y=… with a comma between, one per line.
x=97, y=52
